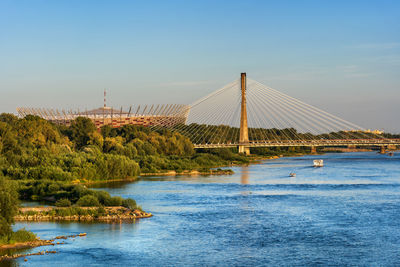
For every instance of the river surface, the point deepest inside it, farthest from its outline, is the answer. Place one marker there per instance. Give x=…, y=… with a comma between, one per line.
x=345, y=213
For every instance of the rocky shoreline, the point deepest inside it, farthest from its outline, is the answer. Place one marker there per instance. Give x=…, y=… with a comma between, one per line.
x=112, y=214
x=29, y=244
x=33, y=244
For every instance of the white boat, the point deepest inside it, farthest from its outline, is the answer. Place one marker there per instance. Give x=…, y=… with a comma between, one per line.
x=318, y=163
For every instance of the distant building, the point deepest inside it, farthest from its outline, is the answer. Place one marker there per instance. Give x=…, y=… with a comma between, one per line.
x=163, y=115
x=374, y=131
x=367, y=131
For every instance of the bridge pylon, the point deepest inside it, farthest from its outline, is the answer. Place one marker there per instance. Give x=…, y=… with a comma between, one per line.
x=244, y=129
x=313, y=150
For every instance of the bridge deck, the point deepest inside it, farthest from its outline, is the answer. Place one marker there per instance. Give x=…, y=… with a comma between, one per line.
x=310, y=143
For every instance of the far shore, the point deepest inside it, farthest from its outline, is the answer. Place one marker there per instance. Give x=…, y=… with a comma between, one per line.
x=213, y=171
x=253, y=160
x=164, y=173
x=187, y=172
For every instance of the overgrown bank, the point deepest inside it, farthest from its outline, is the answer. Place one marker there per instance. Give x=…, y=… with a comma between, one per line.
x=82, y=214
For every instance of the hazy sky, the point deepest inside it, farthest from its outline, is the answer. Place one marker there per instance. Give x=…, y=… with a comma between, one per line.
x=341, y=56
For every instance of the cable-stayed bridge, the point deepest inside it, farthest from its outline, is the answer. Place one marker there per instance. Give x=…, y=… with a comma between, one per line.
x=246, y=113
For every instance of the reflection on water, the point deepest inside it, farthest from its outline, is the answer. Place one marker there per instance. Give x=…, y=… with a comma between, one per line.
x=346, y=213
x=244, y=179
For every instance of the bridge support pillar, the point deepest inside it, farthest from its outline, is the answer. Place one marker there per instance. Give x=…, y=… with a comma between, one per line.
x=244, y=130
x=314, y=150
x=383, y=151
x=245, y=150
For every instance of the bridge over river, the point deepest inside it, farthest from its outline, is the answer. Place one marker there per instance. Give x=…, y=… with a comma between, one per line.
x=248, y=114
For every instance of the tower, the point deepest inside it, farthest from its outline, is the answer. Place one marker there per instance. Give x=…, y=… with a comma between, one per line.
x=105, y=98
x=244, y=130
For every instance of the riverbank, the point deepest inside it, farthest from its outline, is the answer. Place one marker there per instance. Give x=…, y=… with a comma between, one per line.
x=165, y=173
x=33, y=244
x=253, y=160
x=81, y=214
x=29, y=244
x=187, y=172
x=345, y=149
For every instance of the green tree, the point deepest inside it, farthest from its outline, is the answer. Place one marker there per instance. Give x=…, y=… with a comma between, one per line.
x=116, y=201
x=82, y=132
x=8, y=118
x=129, y=203
x=88, y=201
x=8, y=205
x=64, y=202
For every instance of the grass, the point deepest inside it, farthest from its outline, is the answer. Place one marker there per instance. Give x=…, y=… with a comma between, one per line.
x=19, y=236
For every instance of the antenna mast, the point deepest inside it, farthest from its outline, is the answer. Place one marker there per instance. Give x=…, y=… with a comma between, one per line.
x=105, y=98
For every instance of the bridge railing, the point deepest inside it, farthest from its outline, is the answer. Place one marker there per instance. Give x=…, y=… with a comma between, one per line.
x=322, y=142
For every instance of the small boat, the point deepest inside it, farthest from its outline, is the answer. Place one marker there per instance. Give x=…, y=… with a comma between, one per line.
x=292, y=174
x=318, y=163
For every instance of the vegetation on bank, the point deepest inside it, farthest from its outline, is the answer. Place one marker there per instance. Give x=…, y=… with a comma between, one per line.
x=18, y=236
x=104, y=214
x=8, y=208
x=34, y=149
x=67, y=195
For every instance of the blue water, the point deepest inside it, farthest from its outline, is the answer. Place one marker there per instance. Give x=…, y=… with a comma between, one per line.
x=346, y=213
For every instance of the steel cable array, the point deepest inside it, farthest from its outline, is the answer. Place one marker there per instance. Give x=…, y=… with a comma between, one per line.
x=272, y=117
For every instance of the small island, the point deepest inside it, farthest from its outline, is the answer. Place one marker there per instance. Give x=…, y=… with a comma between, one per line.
x=80, y=214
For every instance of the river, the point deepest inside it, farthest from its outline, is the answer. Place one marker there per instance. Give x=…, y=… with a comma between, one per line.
x=345, y=213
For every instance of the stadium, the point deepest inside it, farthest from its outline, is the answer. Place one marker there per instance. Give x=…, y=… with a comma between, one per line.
x=155, y=115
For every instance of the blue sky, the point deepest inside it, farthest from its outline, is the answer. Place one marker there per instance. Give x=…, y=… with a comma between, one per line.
x=341, y=56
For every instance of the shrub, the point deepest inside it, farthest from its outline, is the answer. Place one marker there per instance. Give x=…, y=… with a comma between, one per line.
x=53, y=188
x=116, y=201
x=8, y=205
x=80, y=212
x=63, y=203
x=88, y=201
x=5, y=230
x=64, y=212
x=31, y=213
x=129, y=203
x=22, y=235
x=101, y=211
x=104, y=197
